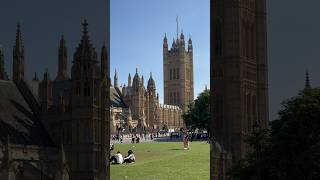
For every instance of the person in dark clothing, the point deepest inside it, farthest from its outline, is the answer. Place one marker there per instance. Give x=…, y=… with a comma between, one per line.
x=133, y=140
x=130, y=158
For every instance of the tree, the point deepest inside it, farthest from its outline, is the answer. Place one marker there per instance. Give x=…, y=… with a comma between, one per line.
x=292, y=148
x=198, y=114
x=295, y=138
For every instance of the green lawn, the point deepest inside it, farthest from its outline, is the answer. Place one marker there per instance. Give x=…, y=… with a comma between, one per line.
x=164, y=160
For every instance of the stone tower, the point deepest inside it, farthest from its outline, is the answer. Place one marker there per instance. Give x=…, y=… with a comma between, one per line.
x=86, y=152
x=239, y=76
x=152, y=104
x=178, y=72
x=18, y=57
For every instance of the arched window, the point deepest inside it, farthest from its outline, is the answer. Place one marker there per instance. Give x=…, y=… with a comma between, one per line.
x=170, y=74
x=174, y=73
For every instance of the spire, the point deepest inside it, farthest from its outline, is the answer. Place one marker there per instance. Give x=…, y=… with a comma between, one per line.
x=142, y=80
x=129, y=80
x=151, y=83
x=115, y=78
x=307, y=82
x=174, y=43
x=182, y=35
x=85, y=62
x=18, y=38
x=190, y=47
x=18, y=57
x=85, y=28
x=46, y=75
x=165, y=41
x=35, y=77
x=63, y=61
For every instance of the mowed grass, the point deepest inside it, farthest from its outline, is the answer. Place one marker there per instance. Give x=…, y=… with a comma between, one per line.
x=164, y=160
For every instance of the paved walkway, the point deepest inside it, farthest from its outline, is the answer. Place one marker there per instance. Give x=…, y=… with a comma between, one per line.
x=127, y=140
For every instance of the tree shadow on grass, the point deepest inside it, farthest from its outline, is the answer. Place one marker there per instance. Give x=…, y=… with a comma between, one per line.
x=175, y=149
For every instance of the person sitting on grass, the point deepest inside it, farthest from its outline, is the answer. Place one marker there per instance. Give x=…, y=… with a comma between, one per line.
x=130, y=158
x=117, y=158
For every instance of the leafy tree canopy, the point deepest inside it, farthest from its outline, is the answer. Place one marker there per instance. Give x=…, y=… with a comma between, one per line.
x=198, y=114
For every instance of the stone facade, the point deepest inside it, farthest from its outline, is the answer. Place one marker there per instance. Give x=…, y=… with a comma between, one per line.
x=178, y=72
x=239, y=76
x=142, y=111
x=75, y=109
x=27, y=152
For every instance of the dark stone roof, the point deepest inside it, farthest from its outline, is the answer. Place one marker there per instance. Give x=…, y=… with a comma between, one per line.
x=18, y=120
x=116, y=99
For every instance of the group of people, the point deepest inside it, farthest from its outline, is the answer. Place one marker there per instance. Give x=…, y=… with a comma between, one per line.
x=119, y=159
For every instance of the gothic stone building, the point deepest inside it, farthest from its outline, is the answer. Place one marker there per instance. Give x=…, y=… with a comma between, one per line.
x=141, y=110
x=69, y=115
x=178, y=72
x=27, y=152
x=239, y=76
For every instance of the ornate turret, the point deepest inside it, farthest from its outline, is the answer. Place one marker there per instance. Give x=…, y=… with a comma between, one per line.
x=115, y=79
x=46, y=91
x=165, y=42
x=190, y=47
x=182, y=35
x=136, y=80
x=18, y=57
x=63, y=61
x=85, y=57
x=182, y=43
x=142, y=81
x=151, y=84
x=129, y=80
x=174, y=45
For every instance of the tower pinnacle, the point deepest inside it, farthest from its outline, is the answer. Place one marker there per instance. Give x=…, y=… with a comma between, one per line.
x=85, y=27
x=115, y=78
x=18, y=57
x=307, y=82
x=63, y=60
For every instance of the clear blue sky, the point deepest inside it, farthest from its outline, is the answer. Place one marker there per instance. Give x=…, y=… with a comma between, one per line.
x=137, y=31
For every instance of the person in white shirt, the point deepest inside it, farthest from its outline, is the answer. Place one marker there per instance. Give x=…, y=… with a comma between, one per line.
x=117, y=158
x=130, y=158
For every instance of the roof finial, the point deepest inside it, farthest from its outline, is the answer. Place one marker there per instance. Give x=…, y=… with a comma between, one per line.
x=307, y=82
x=85, y=27
x=136, y=70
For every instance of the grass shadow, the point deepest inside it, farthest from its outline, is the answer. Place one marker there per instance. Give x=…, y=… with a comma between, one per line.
x=176, y=149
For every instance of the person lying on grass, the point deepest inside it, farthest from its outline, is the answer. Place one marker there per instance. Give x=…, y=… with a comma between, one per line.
x=130, y=158
x=117, y=158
